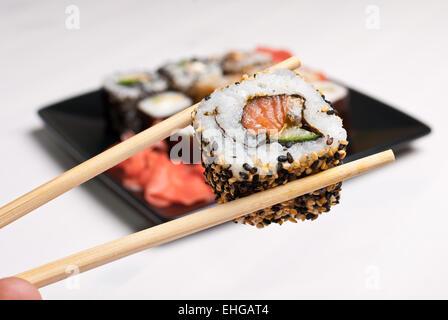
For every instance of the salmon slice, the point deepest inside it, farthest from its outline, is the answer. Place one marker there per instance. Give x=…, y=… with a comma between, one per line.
x=265, y=114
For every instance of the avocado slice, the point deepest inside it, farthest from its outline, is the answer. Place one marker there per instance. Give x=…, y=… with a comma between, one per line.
x=129, y=82
x=296, y=134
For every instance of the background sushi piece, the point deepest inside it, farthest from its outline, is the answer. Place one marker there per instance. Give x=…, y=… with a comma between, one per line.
x=123, y=91
x=195, y=77
x=245, y=62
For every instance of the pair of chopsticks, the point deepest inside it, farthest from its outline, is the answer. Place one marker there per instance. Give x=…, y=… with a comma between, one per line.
x=175, y=229
x=207, y=218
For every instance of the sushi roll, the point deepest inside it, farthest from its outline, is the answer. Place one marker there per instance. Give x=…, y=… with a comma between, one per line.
x=123, y=92
x=264, y=132
x=194, y=77
x=245, y=62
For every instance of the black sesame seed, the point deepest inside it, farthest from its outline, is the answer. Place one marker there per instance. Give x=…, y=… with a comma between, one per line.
x=246, y=167
x=309, y=216
x=282, y=158
x=330, y=112
x=237, y=83
x=244, y=175
x=207, y=97
x=266, y=221
x=289, y=144
x=289, y=157
x=279, y=166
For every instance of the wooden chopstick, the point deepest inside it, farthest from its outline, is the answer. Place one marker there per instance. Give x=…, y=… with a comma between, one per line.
x=201, y=220
x=105, y=160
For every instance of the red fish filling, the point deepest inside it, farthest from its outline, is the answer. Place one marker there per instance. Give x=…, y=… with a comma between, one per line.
x=265, y=114
x=272, y=115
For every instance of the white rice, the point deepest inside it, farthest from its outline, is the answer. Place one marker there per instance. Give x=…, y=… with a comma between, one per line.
x=332, y=91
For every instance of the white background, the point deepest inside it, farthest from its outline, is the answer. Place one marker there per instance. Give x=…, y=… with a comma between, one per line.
x=387, y=239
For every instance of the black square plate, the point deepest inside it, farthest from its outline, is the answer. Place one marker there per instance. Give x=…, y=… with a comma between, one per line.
x=81, y=125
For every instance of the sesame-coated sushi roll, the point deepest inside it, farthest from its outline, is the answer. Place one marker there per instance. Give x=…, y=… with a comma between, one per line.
x=264, y=132
x=124, y=90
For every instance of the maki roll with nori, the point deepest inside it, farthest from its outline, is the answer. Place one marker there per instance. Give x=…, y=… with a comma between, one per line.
x=264, y=132
x=194, y=77
x=123, y=92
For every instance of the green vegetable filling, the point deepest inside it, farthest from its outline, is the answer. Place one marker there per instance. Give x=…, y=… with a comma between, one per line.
x=296, y=134
x=129, y=82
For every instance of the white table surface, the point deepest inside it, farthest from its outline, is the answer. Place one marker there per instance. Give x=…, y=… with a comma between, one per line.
x=387, y=239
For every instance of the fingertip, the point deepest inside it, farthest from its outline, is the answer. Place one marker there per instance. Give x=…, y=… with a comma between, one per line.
x=18, y=289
